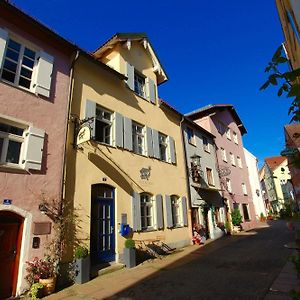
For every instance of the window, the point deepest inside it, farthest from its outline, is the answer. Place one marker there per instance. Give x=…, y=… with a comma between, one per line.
x=228, y=135
x=223, y=154
x=244, y=188
x=209, y=174
x=103, y=126
x=235, y=137
x=239, y=161
x=232, y=160
x=190, y=135
x=163, y=146
x=246, y=212
x=139, y=84
x=228, y=185
x=146, y=211
x=18, y=64
x=205, y=144
x=176, y=212
x=138, y=139
x=221, y=128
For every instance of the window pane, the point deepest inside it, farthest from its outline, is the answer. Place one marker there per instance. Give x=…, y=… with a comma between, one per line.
x=28, y=62
x=8, y=76
x=26, y=73
x=10, y=66
x=29, y=53
x=14, y=45
x=12, y=54
x=24, y=82
x=1, y=146
x=13, y=152
x=11, y=129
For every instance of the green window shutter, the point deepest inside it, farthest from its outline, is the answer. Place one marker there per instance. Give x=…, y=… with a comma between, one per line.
x=90, y=112
x=33, y=149
x=184, y=211
x=118, y=130
x=3, y=41
x=44, y=74
x=127, y=134
x=168, y=207
x=155, y=140
x=149, y=142
x=136, y=212
x=130, y=75
x=159, y=212
x=151, y=90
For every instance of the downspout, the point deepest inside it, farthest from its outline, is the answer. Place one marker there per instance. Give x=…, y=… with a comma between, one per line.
x=187, y=173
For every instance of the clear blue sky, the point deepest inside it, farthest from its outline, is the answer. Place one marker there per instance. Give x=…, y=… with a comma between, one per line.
x=213, y=51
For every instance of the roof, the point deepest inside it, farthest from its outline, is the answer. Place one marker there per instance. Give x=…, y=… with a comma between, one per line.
x=293, y=131
x=140, y=37
x=275, y=162
x=211, y=108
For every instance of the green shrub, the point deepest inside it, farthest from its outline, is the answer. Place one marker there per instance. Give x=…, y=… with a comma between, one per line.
x=81, y=252
x=36, y=290
x=236, y=217
x=129, y=243
x=228, y=226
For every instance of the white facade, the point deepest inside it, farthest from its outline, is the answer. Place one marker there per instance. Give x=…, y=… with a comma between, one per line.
x=256, y=191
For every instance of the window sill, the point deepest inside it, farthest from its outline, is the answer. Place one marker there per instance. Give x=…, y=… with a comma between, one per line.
x=13, y=169
x=145, y=99
x=19, y=87
x=207, y=151
x=150, y=229
x=192, y=144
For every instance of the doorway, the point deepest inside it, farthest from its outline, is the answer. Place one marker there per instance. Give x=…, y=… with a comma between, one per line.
x=11, y=229
x=102, y=224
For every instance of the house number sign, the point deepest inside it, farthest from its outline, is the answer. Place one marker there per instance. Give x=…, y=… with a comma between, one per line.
x=145, y=173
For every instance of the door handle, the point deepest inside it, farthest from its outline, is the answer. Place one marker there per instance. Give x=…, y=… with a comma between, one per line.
x=14, y=252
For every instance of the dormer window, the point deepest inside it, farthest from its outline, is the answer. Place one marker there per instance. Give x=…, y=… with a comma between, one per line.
x=139, y=84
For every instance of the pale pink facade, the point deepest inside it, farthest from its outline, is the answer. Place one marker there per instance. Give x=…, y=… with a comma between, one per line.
x=223, y=122
x=29, y=108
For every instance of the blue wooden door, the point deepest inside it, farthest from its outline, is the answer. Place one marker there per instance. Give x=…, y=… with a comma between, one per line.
x=103, y=227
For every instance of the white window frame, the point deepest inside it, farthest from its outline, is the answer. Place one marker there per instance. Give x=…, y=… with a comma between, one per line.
x=163, y=144
x=235, y=137
x=223, y=154
x=210, y=182
x=205, y=145
x=232, y=159
x=176, y=211
x=147, y=202
x=19, y=63
x=137, y=147
x=228, y=185
x=109, y=124
x=139, y=84
x=239, y=162
x=191, y=138
x=244, y=189
x=228, y=134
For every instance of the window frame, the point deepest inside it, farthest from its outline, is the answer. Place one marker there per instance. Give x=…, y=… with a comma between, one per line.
x=232, y=159
x=191, y=138
x=139, y=84
x=228, y=185
x=239, y=162
x=245, y=208
x=244, y=189
x=223, y=154
x=149, y=203
x=163, y=144
x=206, y=146
x=135, y=138
x=176, y=211
x=104, y=121
x=210, y=176
x=228, y=134
x=235, y=137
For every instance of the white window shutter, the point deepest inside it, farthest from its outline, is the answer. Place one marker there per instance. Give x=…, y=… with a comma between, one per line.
x=159, y=212
x=149, y=142
x=155, y=139
x=90, y=112
x=130, y=75
x=136, y=212
x=168, y=206
x=172, y=150
x=151, y=90
x=3, y=41
x=44, y=74
x=127, y=134
x=184, y=211
x=118, y=130
x=33, y=149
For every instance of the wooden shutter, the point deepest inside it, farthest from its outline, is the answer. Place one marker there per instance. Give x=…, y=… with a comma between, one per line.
x=130, y=75
x=90, y=112
x=159, y=212
x=33, y=149
x=127, y=133
x=151, y=90
x=172, y=150
x=118, y=130
x=136, y=212
x=149, y=142
x=44, y=74
x=155, y=140
x=168, y=206
x=3, y=41
x=184, y=211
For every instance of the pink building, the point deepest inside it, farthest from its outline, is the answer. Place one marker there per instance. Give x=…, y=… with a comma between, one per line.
x=223, y=121
x=35, y=66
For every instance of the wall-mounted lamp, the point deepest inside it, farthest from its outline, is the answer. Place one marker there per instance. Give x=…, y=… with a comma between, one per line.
x=43, y=208
x=195, y=169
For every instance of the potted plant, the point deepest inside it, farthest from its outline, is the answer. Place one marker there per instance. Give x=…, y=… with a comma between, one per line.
x=236, y=219
x=36, y=291
x=82, y=259
x=262, y=217
x=228, y=227
x=129, y=253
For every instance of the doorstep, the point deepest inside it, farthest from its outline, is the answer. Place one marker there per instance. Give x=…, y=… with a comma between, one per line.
x=100, y=270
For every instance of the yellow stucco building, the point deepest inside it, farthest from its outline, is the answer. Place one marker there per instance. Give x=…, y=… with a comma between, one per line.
x=131, y=170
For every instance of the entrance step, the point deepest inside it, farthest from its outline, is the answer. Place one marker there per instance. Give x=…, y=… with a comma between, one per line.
x=101, y=270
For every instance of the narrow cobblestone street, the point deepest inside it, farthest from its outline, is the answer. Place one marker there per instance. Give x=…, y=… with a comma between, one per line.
x=237, y=267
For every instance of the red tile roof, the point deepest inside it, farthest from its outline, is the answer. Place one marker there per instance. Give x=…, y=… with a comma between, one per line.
x=275, y=162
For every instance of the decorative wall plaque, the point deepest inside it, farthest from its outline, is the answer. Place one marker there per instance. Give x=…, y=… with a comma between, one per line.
x=145, y=173
x=41, y=228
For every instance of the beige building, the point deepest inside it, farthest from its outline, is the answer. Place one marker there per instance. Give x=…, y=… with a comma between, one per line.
x=131, y=169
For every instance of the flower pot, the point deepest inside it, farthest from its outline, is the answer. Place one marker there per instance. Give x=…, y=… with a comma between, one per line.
x=82, y=270
x=49, y=285
x=129, y=257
